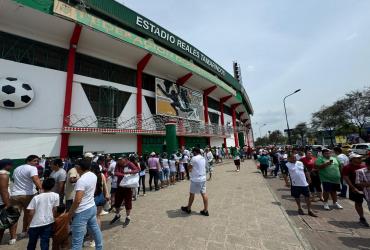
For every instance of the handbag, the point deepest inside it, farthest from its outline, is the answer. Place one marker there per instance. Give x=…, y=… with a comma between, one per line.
x=130, y=181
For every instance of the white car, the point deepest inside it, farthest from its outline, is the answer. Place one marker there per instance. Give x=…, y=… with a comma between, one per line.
x=361, y=148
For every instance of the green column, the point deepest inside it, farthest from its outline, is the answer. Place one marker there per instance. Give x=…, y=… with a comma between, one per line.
x=241, y=139
x=171, y=139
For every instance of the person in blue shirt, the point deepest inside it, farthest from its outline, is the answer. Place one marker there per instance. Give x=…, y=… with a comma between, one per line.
x=264, y=161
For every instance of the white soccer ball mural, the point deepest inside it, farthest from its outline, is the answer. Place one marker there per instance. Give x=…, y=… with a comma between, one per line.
x=15, y=93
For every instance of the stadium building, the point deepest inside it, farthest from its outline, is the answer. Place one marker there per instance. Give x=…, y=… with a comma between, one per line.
x=93, y=75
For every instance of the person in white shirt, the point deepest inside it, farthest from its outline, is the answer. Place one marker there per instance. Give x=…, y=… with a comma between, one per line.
x=299, y=185
x=25, y=179
x=197, y=169
x=42, y=209
x=344, y=161
x=83, y=209
x=209, y=159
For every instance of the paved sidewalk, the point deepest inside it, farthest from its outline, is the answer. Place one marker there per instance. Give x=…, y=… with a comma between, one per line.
x=335, y=229
x=243, y=215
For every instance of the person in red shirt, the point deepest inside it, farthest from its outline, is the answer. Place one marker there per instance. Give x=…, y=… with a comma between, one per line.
x=123, y=167
x=315, y=185
x=355, y=191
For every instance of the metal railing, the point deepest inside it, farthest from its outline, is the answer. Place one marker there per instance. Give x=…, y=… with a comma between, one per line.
x=147, y=125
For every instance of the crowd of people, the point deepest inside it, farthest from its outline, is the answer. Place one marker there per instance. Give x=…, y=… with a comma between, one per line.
x=70, y=196
x=318, y=175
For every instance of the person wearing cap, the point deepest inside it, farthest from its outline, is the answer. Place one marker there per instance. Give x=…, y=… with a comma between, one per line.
x=198, y=180
x=355, y=191
x=154, y=168
x=5, y=166
x=329, y=172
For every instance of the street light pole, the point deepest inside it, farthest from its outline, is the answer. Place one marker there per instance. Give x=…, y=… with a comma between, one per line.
x=286, y=116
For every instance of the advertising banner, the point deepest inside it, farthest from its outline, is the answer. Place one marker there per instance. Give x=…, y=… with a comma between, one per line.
x=175, y=100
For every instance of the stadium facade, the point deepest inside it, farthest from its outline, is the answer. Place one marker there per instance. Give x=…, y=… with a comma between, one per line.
x=93, y=75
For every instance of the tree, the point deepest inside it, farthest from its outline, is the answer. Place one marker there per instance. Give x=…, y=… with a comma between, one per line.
x=301, y=129
x=277, y=137
x=329, y=118
x=356, y=107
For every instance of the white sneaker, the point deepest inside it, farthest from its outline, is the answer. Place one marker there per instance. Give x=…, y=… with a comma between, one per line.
x=12, y=241
x=89, y=243
x=326, y=206
x=103, y=212
x=337, y=205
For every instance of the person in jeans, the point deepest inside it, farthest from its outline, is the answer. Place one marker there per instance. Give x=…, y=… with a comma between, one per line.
x=329, y=172
x=143, y=164
x=26, y=180
x=124, y=194
x=42, y=209
x=344, y=161
x=83, y=209
x=198, y=181
x=154, y=168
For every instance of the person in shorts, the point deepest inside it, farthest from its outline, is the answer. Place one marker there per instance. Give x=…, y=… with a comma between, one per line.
x=355, y=191
x=198, y=180
x=26, y=180
x=329, y=172
x=123, y=194
x=299, y=186
x=236, y=157
x=209, y=158
x=173, y=170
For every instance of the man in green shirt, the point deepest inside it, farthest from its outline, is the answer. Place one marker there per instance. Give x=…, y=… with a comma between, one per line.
x=329, y=172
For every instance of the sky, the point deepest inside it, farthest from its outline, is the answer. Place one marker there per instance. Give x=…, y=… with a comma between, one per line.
x=321, y=47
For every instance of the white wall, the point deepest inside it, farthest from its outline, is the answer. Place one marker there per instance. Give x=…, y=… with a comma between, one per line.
x=216, y=141
x=106, y=143
x=46, y=109
x=34, y=129
x=20, y=145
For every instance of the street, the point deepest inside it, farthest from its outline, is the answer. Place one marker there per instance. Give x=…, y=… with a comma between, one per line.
x=243, y=215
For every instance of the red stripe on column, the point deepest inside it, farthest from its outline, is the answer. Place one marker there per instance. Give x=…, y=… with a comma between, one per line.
x=139, y=99
x=69, y=85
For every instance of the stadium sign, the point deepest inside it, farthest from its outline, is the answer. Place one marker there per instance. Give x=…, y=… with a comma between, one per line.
x=82, y=17
x=168, y=37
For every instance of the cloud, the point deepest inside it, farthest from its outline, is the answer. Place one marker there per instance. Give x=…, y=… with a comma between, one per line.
x=352, y=36
x=251, y=68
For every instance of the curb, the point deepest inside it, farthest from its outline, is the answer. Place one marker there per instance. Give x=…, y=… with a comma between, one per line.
x=305, y=244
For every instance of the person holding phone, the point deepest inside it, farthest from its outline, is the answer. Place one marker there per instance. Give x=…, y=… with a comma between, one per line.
x=329, y=172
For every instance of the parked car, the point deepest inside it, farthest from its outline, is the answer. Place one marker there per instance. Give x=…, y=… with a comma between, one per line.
x=361, y=148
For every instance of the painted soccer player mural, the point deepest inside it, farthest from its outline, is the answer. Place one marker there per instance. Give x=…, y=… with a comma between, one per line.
x=174, y=100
